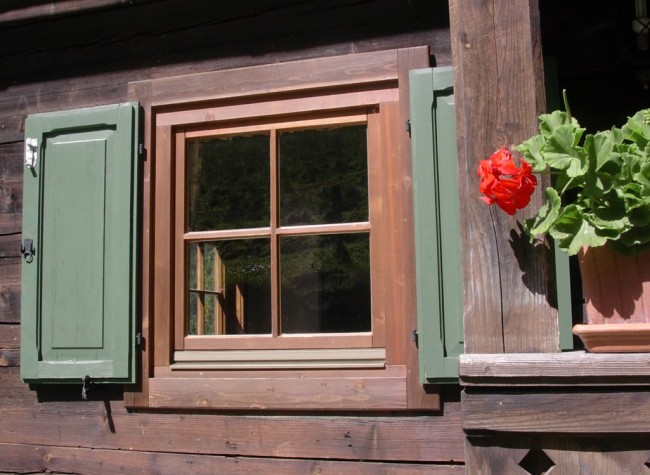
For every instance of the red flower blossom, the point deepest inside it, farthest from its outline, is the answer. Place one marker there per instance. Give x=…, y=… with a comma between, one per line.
x=505, y=184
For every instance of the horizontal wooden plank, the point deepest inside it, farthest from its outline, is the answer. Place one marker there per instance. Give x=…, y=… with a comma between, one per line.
x=11, y=162
x=11, y=223
x=552, y=369
x=276, y=108
x=9, y=357
x=10, y=290
x=10, y=245
x=22, y=458
x=11, y=197
x=40, y=10
x=63, y=417
x=9, y=337
x=587, y=410
x=337, y=392
x=290, y=76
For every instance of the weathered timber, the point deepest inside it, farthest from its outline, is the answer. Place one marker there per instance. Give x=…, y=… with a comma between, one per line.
x=268, y=392
x=507, y=285
x=10, y=223
x=555, y=369
x=16, y=11
x=9, y=337
x=558, y=454
x=9, y=290
x=569, y=411
x=110, y=462
x=9, y=358
x=72, y=422
x=9, y=345
x=83, y=68
x=10, y=245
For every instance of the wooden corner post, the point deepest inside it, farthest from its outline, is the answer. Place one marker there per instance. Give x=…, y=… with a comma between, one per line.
x=498, y=71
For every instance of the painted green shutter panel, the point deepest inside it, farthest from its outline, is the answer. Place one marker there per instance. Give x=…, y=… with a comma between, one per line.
x=437, y=224
x=79, y=212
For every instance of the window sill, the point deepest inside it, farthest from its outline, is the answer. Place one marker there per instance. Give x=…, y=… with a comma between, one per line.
x=575, y=368
x=280, y=359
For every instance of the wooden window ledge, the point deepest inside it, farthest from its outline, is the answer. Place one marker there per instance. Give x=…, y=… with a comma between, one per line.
x=575, y=368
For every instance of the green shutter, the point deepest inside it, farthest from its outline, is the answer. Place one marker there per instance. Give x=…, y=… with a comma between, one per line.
x=78, y=299
x=562, y=266
x=437, y=224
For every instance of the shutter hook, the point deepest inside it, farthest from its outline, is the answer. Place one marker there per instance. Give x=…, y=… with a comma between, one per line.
x=87, y=386
x=27, y=250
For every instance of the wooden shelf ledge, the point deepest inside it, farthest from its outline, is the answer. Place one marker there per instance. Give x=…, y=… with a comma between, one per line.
x=575, y=368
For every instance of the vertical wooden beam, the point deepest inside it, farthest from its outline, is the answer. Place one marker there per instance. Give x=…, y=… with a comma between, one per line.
x=418, y=395
x=138, y=394
x=499, y=89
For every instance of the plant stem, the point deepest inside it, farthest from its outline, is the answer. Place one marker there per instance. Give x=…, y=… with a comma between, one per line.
x=566, y=103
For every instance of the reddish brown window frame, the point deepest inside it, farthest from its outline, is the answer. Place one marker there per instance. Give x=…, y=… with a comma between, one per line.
x=374, y=83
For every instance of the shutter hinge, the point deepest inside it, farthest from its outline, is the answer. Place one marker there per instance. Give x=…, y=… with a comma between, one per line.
x=414, y=337
x=141, y=150
x=31, y=153
x=408, y=126
x=138, y=339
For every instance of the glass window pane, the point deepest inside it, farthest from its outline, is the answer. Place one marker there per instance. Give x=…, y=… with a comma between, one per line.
x=323, y=176
x=229, y=287
x=325, y=283
x=228, y=183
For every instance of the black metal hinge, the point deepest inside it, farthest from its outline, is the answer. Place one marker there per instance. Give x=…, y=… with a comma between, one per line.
x=408, y=126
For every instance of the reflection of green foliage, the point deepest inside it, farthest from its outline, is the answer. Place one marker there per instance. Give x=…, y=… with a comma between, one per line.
x=229, y=183
x=246, y=263
x=325, y=283
x=325, y=279
x=324, y=176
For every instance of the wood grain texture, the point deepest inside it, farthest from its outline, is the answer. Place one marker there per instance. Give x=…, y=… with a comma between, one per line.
x=70, y=460
x=9, y=337
x=338, y=392
x=506, y=279
x=567, y=455
x=568, y=411
x=64, y=418
x=10, y=290
x=84, y=68
x=554, y=369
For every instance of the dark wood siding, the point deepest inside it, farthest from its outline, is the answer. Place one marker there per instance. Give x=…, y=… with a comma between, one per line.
x=63, y=58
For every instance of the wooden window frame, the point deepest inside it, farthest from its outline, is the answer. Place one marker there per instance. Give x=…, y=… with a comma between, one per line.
x=376, y=81
x=372, y=227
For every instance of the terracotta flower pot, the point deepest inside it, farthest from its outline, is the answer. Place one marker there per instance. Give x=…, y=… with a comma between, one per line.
x=616, y=290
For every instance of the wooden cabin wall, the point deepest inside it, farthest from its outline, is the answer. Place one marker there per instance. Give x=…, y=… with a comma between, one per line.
x=73, y=56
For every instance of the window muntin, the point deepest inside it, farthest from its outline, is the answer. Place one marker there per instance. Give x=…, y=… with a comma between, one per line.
x=291, y=260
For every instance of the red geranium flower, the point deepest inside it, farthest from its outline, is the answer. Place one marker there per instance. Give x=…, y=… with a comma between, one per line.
x=505, y=184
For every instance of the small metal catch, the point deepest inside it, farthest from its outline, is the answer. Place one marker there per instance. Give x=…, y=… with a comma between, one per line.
x=31, y=152
x=87, y=386
x=27, y=250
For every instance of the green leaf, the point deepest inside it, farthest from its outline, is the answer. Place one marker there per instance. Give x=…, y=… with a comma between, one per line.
x=637, y=129
x=548, y=123
x=643, y=175
x=599, y=149
x=546, y=215
x=562, y=152
x=572, y=231
x=640, y=216
x=531, y=150
x=597, y=184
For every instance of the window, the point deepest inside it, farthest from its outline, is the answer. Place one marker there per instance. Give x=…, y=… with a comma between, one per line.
x=276, y=238
x=279, y=265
